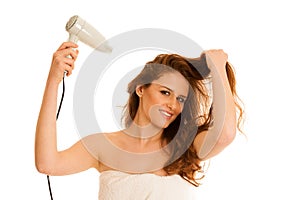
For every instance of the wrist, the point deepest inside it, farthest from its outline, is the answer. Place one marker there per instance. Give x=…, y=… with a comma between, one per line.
x=54, y=82
x=55, y=77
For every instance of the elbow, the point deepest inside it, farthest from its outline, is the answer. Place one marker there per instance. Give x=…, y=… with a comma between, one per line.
x=43, y=168
x=227, y=136
x=45, y=162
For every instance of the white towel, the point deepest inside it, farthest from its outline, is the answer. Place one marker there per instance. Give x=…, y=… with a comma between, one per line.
x=116, y=185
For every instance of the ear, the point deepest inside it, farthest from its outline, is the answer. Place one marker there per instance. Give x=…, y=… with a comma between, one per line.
x=139, y=90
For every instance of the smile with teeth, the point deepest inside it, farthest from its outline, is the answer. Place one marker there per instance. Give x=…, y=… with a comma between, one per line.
x=165, y=114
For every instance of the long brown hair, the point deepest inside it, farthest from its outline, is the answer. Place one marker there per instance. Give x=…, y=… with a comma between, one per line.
x=195, y=117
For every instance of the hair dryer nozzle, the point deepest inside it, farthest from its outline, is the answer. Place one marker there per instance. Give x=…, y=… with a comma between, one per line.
x=79, y=29
x=71, y=22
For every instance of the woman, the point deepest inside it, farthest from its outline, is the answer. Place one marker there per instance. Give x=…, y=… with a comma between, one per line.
x=170, y=127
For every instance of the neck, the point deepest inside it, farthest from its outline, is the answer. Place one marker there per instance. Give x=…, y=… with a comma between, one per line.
x=145, y=132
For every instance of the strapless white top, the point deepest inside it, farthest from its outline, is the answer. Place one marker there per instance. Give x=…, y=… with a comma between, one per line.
x=116, y=185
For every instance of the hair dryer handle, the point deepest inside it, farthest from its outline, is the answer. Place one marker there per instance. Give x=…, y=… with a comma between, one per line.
x=73, y=38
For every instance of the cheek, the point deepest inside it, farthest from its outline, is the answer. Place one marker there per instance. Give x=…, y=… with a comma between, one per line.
x=181, y=107
x=156, y=117
x=151, y=100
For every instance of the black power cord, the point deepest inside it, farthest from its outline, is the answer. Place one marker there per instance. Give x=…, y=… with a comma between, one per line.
x=49, y=186
x=57, y=114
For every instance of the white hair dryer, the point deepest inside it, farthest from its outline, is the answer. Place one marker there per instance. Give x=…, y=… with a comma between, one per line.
x=79, y=29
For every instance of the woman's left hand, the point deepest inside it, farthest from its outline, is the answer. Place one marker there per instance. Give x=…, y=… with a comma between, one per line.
x=216, y=58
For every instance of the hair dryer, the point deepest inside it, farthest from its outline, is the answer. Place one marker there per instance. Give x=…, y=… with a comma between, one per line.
x=79, y=29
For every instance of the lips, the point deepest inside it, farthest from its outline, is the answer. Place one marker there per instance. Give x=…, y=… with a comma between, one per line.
x=166, y=114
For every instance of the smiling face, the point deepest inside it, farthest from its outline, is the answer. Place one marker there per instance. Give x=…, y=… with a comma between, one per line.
x=162, y=101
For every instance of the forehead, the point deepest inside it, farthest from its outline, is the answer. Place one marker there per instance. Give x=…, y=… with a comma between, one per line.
x=174, y=81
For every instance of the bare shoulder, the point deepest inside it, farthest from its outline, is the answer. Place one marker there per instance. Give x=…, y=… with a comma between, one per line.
x=99, y=143
x=105, y=147
x=101, y=136
x=118, y=139
x=113, y=135
x=100, y=146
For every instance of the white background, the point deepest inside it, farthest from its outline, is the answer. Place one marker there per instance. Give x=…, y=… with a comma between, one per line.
x=261, y=38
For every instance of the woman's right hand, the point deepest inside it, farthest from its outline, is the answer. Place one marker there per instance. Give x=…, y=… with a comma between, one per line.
x=63, y=61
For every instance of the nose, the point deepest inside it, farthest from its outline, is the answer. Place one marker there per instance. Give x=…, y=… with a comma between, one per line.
x=172, y=103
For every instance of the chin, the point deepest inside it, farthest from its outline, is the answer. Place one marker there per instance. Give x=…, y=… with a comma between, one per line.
x=163, y=124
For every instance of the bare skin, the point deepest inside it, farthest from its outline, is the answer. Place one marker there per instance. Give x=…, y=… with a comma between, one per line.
x=154, y=103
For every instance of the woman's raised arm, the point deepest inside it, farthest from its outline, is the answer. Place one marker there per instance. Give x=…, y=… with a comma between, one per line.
x=223, y=131
x=47, y=158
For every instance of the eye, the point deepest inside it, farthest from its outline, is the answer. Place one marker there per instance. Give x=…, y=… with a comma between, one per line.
x=180, y=99
x=165, y=92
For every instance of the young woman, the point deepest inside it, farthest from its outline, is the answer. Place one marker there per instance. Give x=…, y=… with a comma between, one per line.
x=173, y=122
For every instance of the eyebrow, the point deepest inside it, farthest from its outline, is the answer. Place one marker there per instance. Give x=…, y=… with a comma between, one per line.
x=171, y=90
